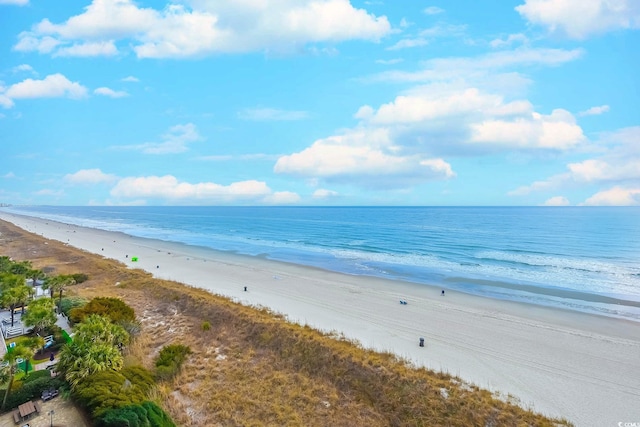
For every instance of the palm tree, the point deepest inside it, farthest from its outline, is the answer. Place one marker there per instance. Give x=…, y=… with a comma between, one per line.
x=24, y=351
x=40, y=314
x=58, y=284
x=35, y=275
x=14, y=292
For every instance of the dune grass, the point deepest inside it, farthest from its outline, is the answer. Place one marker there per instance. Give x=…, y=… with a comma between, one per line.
x=250, y=366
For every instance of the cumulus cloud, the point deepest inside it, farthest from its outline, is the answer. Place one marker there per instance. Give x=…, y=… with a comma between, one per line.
x=89, y=176
x=130, y=79
x=595, y=111
x=579, y=19
x=176, y=140
x=271, y=114
x=105, y=91
x=15, y=2
x=169, y=189
x=557, y=201
x=52, y=86
x=619, y=163
x=404, y=142
x=616, y=196
x=365, y=158
x=198, y=28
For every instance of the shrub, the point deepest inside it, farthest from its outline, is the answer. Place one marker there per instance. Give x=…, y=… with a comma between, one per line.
x=107, y=390
x=113, y=308
x=71, y=302
x=80, y=277
x=31, y=388
x=206, y=325
x=170, y=360
x=147, y=414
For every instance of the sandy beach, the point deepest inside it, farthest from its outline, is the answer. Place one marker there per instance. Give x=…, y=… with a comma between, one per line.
x=582, y=367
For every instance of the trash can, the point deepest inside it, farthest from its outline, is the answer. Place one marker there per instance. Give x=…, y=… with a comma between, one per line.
x=421, y=342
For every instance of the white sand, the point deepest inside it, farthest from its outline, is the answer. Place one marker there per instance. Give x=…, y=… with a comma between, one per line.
x=585, y=368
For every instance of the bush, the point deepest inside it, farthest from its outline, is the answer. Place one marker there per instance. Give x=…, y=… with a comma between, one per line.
x=206, y=326
x=31, y=388
x=80, y=277
x=147, y=414
x=113, y=308
x=107, y=390
x=71, y=302
x=170, y=360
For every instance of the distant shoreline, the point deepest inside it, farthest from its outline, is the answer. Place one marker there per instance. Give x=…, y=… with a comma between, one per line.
x=550, y=359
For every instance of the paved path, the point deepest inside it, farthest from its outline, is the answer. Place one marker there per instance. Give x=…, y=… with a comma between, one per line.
x=65, y=415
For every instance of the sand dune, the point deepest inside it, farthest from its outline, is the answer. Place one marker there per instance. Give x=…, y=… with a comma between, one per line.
x=582, y=367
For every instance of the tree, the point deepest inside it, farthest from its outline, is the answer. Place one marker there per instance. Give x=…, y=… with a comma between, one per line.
x=36, y=274
x=95, y=348
x=14, y=292
x=24, y=351
x=40, y=315
x=59, y=284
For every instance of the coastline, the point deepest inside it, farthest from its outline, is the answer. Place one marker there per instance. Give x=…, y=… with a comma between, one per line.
x=580, y=366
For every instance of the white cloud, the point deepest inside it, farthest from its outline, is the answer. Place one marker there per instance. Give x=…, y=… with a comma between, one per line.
x=281, y=198
x=595, y=111
x=481, y=68
x=579, y=19
x=271, y=114
x=555, y=131
x=433, y=10
x=174, y=141
x=389, y=61
x=130, y=79
x=5, y=101
x=24, y=68
x=9, y=175
x=89, y=176
x=30, y=42
x=511, y=39
x=169, y=189
x=409, y=43
x=557, y=201
x=619, y=163
x=105, y=91
x=616, y=196
x=365, y=158
x=198, y=28
x=15, y=2
x=322, y=193
x=52, y=86
x=89, y=49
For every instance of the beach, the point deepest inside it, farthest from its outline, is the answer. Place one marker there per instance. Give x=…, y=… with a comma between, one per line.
x=583, y=367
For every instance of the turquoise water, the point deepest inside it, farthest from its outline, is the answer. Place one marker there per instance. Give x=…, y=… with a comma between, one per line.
x=579, y=258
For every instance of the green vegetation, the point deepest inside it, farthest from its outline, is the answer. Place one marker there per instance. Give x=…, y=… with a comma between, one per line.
x=40, y=315
x=146, y=414
x=69, y=303
x=96, y=347
x=113, y=308
x=170, y=360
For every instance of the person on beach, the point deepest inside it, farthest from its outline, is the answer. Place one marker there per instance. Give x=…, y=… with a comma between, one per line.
x=442, y=292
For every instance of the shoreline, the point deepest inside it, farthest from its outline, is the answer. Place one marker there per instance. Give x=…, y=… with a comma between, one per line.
x=580, y=366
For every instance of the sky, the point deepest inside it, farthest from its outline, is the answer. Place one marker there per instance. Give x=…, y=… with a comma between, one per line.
x=320, y=102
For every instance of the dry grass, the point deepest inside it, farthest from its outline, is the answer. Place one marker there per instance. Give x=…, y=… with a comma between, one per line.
x=253, y=368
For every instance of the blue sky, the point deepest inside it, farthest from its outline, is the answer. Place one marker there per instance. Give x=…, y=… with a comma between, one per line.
x=320, y=102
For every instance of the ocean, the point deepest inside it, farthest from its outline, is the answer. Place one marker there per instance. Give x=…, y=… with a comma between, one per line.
x=577, y=258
